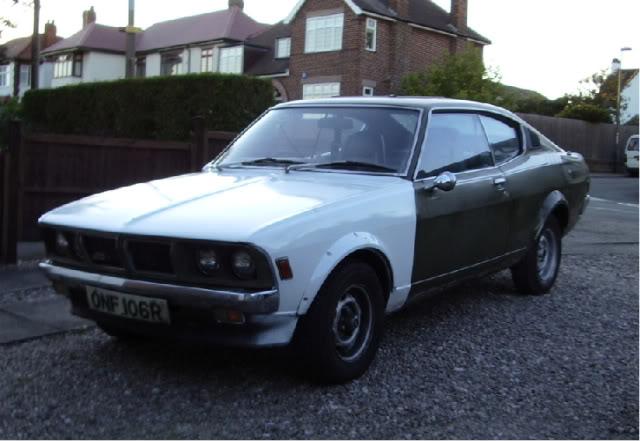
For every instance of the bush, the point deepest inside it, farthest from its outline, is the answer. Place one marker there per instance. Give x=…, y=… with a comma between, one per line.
x=153, y=108
x=9, y=109
x=460, y=76
x=587, y=112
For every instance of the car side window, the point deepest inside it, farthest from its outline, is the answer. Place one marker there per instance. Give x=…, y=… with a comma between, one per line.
x=455, y=143
x=533, y=140
x=503, y=138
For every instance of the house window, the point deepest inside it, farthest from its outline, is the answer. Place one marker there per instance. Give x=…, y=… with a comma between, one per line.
x=283, y=47
x=141, y=67
x=372, y=34
x=320, y=90
x=231, y=59
x=77, y=65
x=63, y=66
x=171, y=64
x=206, y=60
x=367, y=91
x=324, y=33
x=25, y=75
x=4, y=76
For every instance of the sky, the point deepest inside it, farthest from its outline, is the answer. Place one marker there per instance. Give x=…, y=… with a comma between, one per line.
x=543, y=45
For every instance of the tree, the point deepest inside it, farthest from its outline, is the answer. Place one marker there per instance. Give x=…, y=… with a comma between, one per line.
x=459, y=76
x=586, y=112
x=6, y=22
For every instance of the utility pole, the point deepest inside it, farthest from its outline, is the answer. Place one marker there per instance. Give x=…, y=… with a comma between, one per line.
x=617, y=63
x=131, y=42
x=35, y=46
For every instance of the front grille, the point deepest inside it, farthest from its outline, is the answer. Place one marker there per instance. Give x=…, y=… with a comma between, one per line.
x=151, y=257
x=102, y=251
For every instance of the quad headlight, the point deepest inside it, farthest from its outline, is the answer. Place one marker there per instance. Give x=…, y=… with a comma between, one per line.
x=208, y=262
x=243, y=265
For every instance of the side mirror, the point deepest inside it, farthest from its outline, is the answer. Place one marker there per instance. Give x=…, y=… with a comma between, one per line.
x=445, y=181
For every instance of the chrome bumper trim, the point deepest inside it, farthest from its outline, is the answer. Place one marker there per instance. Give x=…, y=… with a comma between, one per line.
x=263, y=302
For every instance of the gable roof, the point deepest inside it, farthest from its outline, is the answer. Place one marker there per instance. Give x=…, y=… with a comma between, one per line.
x=267, y=64
x=228, y=24
x=13, y=48
x=421, y=12
x=20, y=48
x=93, y=36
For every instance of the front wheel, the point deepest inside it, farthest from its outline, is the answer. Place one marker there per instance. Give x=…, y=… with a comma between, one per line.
x=537, y=271
x=338, y=338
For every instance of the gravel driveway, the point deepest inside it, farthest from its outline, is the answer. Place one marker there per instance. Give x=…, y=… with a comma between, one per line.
x=475, y=361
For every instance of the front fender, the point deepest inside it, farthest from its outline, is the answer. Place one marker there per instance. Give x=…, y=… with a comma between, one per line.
x=336, y=253
x=554, y=200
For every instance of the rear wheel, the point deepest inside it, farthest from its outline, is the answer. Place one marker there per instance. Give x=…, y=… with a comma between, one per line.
x=338, y=338
x=537, y=271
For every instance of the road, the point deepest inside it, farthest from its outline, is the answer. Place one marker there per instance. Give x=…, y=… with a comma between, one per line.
x=475, y=361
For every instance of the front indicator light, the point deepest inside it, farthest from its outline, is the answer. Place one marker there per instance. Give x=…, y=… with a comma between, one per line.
x=243, y=265
x=284, y=269
x=229, y=317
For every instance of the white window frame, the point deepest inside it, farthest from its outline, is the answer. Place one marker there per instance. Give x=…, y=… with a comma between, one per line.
x=324, y=33
x=25, y=72
x=314, y=91
x=371, y=28
x=283, y=47
x=368, y=91
x=63, y=66
x=5, y=75
x=206, y=60
x=231, y=60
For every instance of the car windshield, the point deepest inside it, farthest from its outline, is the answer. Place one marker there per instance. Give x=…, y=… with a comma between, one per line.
x=369, y=139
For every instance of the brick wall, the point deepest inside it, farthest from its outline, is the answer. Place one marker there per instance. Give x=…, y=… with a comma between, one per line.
x=401, y=49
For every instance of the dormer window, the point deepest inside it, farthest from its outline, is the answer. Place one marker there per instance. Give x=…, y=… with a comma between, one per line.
x=324, y=33
x=283, y=47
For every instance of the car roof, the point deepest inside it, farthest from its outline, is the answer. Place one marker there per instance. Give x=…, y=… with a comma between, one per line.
x=425, y=103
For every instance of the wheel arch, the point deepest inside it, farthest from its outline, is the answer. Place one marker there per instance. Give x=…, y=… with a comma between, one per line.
x=359, y=246
x=555, y=204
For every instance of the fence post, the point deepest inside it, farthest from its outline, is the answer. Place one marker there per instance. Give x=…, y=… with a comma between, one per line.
x=198, y=144
x=11, y=197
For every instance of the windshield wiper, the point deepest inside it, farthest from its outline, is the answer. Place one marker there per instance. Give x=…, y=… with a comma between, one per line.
x=263, y=161
x=344, y=165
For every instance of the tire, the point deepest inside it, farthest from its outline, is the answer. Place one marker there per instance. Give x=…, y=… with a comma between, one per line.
x=338, y=338
x=536, y=273
x=633, y=172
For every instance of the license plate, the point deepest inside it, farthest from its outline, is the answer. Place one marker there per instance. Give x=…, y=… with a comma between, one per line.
x=128, y=306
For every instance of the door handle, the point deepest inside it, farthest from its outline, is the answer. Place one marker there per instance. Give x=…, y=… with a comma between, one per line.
x=499, y=182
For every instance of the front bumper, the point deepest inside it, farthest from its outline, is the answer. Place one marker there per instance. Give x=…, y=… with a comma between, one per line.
x=192, y=309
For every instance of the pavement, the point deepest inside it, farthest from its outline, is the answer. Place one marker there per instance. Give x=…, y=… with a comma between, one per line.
x=478, y=361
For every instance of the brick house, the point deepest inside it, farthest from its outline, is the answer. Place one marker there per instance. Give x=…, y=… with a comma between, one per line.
x=323, y=48
x=366, y=47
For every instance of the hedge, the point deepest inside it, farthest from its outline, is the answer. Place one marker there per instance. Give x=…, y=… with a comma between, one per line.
x=150, y=108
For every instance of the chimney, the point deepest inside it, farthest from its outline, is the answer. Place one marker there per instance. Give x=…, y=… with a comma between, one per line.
x=50, y=33
x=237, y=3
x=88, y=17
x=401, y=7
x=459, y=13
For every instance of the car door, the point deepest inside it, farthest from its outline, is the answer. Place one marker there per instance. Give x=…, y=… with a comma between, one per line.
x=458, y=231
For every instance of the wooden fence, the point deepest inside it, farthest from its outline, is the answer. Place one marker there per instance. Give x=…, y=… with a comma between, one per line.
x=44, y=171
x=596, y=142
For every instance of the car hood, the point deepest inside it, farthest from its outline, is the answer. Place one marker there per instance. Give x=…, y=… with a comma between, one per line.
x=228, y=205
